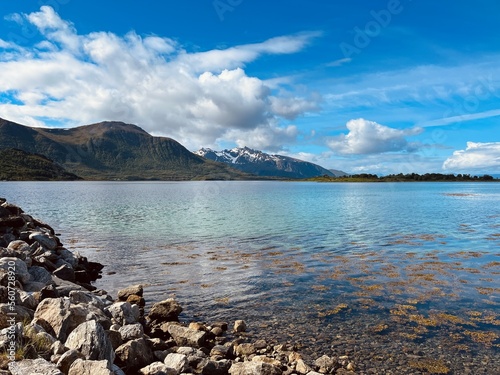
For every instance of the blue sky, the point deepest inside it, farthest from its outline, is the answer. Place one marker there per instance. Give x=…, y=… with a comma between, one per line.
x=363, y=86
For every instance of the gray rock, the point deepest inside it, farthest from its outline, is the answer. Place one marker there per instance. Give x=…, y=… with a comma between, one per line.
x=87, y=298
x=165, y=311
x=65, y=272
x=157, y=368
x=58, y=317
x=209, y=367
x=123, y=313
x=67, y=358
x=17, y=266
x=221, y=351
x=240, y=326
x=325, y=364
x=187, y=337
x=131, y=331
x=134, y=355
x=27, y=300
x=254, y=368
x=136, y=290
x=48, y=242
x=116, y=370
x=68, y=257
x=90, y=339
x=37, y=366
x=58, y=348
x=34, y=286
x=178, y=362
x=65, y=287
x=86, y=367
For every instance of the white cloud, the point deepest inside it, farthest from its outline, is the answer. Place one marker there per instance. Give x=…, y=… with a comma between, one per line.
x=477, y=156
x=196, y=98
x=368, y=137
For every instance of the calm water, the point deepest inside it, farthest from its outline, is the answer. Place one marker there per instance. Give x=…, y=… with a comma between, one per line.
x=319, y=254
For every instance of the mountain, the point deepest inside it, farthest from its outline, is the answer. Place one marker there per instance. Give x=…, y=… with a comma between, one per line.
x=18, y=165
x=113, y=150
x=262, y=164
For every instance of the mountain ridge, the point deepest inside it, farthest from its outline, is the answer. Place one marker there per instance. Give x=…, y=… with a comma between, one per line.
x=113, y=150
x=262, y=164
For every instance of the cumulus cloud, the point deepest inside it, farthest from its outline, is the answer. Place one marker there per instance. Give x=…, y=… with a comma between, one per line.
x=477, y=156
x=369, y=137
x=196, y=98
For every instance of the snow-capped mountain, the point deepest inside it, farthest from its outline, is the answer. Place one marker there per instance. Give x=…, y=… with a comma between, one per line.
x=261, y=164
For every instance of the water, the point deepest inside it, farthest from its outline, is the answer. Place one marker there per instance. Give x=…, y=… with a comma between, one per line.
x=301, y=261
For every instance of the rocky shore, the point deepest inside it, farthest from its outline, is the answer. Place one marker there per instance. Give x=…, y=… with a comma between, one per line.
x=55, y=322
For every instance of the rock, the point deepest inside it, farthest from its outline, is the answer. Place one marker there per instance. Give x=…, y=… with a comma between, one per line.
x=221, y=352
x=314, y=373
x=27, y=300
x=244, y=350
x=20, y=247
x=302, y=368
x=240, y=326
x=12, y=221
x=165, y=311
x=254, y=368
x=221, y=367
x=86, y=367
x=67, y=359
x=325, y=364
x=178, y=362
x=157, y=368
x=136, y=300
x=116, y=370
x=134, y=290
x=90, y=339
x=68, y=257
x=17, y=266
x=115, y=337
x=131, y=331
x=197, y=326
x=58, y=317
x=123, y=313
x=79, y=296
x=65, y=287
x=216, y=331
x=221, y=325
x=58, y=348
x=65, y=272
x=21, y=314
x=45, y=240
x=33, y=367
x=265, y=359
x=34, y=286
x=134, y=355
x=187, y=337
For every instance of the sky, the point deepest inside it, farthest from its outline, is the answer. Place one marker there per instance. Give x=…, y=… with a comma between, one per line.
x=366, y=86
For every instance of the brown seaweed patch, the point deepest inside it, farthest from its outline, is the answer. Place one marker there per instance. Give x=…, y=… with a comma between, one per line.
x=337, y=309
x=433, y=366
x=486, y=338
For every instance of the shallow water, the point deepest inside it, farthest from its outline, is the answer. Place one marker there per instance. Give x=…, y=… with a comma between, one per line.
x=334, y=268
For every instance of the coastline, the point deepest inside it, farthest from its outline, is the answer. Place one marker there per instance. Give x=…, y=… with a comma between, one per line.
x=56, y=322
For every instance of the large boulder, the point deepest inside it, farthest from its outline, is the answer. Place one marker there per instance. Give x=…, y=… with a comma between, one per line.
x=17, y=266
x=124, y=313
x=157, y=368
x=20, y=248
x=134, y=355
x=37, y=366
x=131, y=331
x=59, y=317
x=254, y=368
x=186, y=336
x=133, y=290
x=90, y=339
x=47, y=241
x=86, y=367
x=67, y=358
x=40, y=275
x=179, y=362
x=165, y=311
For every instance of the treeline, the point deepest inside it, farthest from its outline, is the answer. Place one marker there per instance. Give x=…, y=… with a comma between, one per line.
x=409, y=177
